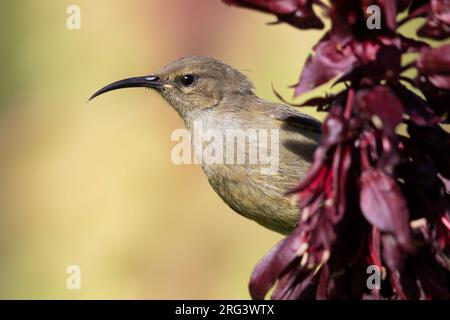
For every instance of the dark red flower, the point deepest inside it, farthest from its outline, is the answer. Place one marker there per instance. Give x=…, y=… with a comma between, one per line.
x=372, y=197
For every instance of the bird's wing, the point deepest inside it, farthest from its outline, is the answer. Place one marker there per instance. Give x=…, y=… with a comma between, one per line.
x=299, y=137
x=297, y=121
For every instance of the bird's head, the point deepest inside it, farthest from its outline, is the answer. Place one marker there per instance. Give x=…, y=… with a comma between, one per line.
x=191, y=83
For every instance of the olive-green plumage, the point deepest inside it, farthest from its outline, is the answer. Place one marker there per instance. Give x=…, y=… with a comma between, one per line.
x=218, y=96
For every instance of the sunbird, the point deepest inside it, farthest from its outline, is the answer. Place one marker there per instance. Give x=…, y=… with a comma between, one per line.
x=209, y=92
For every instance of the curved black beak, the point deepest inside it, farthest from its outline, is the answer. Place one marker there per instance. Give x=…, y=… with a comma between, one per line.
x=145, y=81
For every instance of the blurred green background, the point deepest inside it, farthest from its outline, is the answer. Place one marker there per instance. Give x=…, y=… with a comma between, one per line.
x=92, y=184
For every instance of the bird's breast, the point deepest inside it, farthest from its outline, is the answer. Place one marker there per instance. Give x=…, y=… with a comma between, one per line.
x=251, y=164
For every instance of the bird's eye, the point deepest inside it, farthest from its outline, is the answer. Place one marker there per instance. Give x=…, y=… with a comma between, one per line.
x=188, y=80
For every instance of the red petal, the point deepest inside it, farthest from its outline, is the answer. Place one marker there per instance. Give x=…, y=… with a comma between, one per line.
x=298, y=13
x=264, y=275
x=382, y=102
x=435, y=63
x=331, y=59
x=383, y=205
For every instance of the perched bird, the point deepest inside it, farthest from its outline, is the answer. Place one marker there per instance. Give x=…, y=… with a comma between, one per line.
x=207, y=91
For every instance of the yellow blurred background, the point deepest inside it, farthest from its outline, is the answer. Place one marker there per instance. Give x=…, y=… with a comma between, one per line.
x=92, y=184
